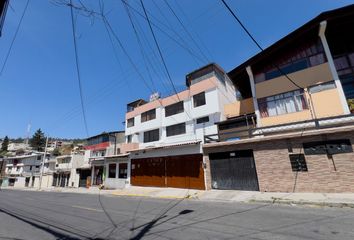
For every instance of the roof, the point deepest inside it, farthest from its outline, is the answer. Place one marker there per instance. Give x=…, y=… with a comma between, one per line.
x=104, y=133
x=167, y=146
x=296, y=34
x=211, y=67
x=137, y=102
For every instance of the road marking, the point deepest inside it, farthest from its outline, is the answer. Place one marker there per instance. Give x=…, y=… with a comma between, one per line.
x=87, y=208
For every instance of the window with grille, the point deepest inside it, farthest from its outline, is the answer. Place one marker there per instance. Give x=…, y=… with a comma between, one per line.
x=149, y=115
x=199, y=99
x=174, y=109
x=151, y=136
x=298, y=162
x=176, y=129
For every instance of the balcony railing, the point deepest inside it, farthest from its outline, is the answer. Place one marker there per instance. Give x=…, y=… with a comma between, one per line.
x=319, y=123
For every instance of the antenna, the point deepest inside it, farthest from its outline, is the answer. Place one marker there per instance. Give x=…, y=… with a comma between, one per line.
x=28, y=133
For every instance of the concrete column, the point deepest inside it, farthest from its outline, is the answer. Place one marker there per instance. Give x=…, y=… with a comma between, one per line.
x=129, y=170
x=332, y=67
x=117, y=169
x=92, y=174
x=254, y=97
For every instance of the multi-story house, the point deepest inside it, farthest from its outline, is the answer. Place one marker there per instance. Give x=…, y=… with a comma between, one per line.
x=107, y=155
x=23, y=171
x=169, y=131
x=66, y=174
x=293, y=129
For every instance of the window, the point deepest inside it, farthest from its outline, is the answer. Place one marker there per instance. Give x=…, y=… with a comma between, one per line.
x=39, y=157
x=129, y=138
x=302, y=57
x=130, y=122
x=328, y=147
x=282, y=103
x=322, y=87
x=123, y=170
x=149, y=115
x=298, y=162
x=203, y=120
x=199, y=99
x=112, y=170
x=176, y=129
x=151, y=136
x=174, y=109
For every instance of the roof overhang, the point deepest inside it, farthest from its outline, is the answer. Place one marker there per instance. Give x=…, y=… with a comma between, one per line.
x=176, y=145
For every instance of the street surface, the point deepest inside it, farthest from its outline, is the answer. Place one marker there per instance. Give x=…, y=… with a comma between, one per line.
x=53, y=215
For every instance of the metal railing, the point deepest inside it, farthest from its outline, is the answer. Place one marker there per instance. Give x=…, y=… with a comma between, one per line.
x=319, y=123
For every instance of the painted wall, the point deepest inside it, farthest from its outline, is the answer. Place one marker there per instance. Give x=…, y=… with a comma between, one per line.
x=304, y=78
x=239, y=108
x=327, y=103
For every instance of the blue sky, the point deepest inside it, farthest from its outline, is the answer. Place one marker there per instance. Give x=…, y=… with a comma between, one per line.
x=39, y=84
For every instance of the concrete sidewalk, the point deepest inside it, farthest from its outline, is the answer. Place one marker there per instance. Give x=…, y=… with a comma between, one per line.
x=315, y=199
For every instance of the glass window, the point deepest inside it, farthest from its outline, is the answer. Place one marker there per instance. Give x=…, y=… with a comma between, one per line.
x=282, y=104
x=149, y=115
x=151, y=136
x=123, y=170
x=130, y=122
x=322, y=87
x=202, y=120
x=129, y=138
x=174, y=109
x=199, y=99
x=112, y=170
x=176, y=129
x=299, y=58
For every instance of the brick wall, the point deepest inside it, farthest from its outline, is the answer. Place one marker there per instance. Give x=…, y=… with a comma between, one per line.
x=274, y=168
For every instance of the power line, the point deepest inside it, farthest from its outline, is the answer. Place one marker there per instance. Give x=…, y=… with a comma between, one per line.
x=255, y=42
x=168, y=35
x=141, y=48
x=14, y=38
x=186, y=30
x=78, y=69
x=159, y=50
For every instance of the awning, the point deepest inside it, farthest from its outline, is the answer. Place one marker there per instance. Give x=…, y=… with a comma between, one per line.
x=167, y=146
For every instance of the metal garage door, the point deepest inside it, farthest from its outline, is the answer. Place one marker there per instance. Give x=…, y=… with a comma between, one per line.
x=184, y=171
x=234, y=170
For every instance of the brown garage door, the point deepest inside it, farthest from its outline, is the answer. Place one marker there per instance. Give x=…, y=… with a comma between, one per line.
x=148, y=172
x=184, y=171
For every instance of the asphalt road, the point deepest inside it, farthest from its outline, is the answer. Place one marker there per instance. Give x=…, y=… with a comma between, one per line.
x=50, y=215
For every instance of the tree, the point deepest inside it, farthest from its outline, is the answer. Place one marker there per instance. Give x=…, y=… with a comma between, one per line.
x=37, y=141
x=56, y=152
x=5, y=144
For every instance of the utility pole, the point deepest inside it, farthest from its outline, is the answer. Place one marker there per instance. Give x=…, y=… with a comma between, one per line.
x=42, y=167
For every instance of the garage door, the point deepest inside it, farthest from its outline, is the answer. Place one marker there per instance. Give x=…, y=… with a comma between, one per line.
x=148, y=172
x=184, y=171
x=233, y=170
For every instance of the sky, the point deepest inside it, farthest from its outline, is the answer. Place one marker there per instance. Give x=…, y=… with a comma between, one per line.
x=39, y=84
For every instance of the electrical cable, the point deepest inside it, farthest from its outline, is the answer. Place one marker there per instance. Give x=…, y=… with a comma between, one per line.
x=78, y=68
x=14, y=38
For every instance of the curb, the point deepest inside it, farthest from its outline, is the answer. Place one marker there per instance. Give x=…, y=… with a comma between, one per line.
x=304, y=203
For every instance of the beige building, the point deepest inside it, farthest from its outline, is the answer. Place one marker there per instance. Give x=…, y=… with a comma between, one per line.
x=292, y=131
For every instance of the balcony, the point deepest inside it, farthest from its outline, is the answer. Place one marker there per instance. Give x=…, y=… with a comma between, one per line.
x=251, y=132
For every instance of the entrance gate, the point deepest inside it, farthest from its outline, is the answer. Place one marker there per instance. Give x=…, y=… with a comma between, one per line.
x=234, y=170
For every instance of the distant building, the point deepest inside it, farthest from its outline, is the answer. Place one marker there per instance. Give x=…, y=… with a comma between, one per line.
x=23, y=171
x=108, y=157
x=66, y=174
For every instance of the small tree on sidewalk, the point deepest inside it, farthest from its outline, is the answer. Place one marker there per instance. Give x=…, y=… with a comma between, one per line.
x=37, y=141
